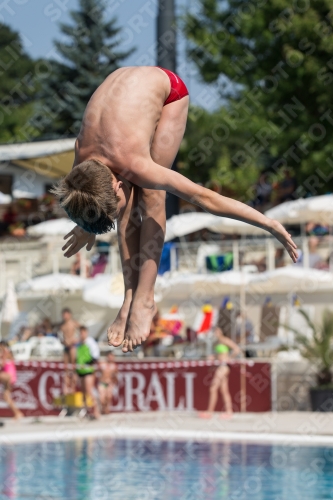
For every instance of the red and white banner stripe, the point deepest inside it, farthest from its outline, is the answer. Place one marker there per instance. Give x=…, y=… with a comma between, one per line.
x=143, y=365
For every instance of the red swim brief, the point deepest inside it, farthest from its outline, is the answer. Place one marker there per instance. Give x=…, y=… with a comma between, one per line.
x=178, y=87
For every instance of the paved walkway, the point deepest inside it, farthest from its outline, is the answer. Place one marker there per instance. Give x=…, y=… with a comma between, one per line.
x=301, y=428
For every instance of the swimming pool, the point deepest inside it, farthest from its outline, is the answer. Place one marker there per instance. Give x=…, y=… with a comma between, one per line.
x=106, y=469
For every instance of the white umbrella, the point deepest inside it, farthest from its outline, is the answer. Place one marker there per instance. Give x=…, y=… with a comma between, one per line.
x=59, y=227
x=20, y=193
x=189, y=222
x=5, y=198
x=318, y=209
x=285, y=280
x=107, y=290
x=56, y=227
x=9, y=310
x=186, y=223
x=231, y=226
x=185, y=286
x=53, y=283
x=290, y=279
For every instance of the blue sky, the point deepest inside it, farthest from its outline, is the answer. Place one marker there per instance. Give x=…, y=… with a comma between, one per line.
x=38, y=23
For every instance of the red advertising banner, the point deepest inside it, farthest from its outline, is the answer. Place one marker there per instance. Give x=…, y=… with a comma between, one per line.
x=174, y=385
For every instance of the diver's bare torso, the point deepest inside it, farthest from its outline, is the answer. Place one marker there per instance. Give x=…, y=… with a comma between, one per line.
x=122, y=115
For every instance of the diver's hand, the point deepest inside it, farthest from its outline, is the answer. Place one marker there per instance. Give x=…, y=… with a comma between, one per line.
x=78, y=238
x=281, y=234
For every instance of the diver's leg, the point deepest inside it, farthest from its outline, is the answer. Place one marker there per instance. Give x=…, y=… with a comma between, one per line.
x=165, y=145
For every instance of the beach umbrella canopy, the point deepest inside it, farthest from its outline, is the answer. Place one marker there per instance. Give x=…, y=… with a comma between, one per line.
x=290, y=279
x=318, y=209
x=53, y=283
x=231, y=226
x=55, y=227
x=107, y=290
x=5, y=198
x=196, y=286
x=187, y=223
x=282, y=281
x=59, y=227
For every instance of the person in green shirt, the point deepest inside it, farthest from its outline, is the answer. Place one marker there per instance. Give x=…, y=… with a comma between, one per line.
x=87, y=354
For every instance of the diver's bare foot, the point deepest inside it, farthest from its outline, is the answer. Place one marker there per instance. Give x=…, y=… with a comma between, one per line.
x=116, y=331
x=18, y=415
x=138, y=324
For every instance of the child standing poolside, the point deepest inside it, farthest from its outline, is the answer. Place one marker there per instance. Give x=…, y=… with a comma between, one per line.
x=221, y=377
x=106, y=382
x=8, y=377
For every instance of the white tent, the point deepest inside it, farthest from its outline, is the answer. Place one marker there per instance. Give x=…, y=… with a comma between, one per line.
x=318, y=209
x=56, y=282
x=186, y=223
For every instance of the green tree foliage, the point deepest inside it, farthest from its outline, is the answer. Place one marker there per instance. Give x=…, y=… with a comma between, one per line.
x=206, y=153
x=276, y=61
x=319, y=347
x=17, y=87
x=87, y=57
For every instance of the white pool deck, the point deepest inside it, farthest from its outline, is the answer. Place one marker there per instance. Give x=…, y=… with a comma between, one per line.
x=285, y=428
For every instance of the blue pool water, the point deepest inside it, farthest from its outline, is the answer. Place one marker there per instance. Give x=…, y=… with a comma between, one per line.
x=103, y=469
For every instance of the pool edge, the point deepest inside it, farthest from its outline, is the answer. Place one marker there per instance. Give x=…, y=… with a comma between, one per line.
x=165, y=435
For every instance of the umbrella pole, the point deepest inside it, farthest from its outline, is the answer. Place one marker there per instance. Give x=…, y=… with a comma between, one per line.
x=2, y=287
x=243, y=344
x=83, y=267
x=55, y=262
x=235, y=252
x=330, y=256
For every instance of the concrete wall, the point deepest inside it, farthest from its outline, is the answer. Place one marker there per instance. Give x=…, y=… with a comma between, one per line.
x=293, y=380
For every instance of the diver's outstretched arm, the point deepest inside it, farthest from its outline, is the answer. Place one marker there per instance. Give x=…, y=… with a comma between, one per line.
x=144, y=172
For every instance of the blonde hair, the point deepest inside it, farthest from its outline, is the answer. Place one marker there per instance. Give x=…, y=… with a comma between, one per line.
x=88, y=197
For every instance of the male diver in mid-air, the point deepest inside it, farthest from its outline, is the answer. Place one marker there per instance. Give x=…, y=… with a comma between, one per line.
x=131, y=132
